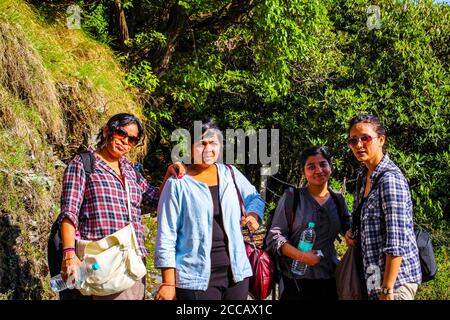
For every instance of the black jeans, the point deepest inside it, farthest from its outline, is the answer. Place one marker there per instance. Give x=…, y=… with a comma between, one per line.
x=221, y=287
x=309, y=289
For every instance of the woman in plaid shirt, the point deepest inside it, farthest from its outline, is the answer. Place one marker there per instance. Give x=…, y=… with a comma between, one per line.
x=96, y=207
x=382, y=219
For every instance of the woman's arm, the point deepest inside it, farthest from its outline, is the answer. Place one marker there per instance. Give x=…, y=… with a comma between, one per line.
x=169, y=212
x=166, y=289
x=70, y=259
x=390, y=275
x=252, y=199
x=395, y=196
x=310, y=258
x=72, y=196
x=150, y=195
x=176, y=170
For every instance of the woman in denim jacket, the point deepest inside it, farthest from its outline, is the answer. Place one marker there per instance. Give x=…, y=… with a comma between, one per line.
x=199, y=244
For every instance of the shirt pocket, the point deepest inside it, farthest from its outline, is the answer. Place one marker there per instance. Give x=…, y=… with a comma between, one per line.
x=372, y=215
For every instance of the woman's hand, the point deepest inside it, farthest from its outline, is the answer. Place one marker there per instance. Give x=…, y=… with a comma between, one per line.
x=349, y=239
x=166, y=292
x=251, y=221
x=68, y=266
x=386, y=296
x=176, y=170
x=309, y=258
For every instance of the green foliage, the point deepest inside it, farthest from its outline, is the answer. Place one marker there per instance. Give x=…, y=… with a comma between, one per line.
x=96, y=23
x=437, y=289
x=141, y=75
x=304, y=67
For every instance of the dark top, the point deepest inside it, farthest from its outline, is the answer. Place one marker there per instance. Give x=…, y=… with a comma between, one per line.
x=327, y=227
x=219, y=249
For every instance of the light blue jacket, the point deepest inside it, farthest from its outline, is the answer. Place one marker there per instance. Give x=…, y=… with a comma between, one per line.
x=185, y=219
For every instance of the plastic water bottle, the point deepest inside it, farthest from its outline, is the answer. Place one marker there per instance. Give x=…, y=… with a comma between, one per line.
x=305, y=244
x=81, y=273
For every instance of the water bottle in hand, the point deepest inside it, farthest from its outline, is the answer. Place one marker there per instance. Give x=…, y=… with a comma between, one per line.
x=305, y=244
x=80, y=274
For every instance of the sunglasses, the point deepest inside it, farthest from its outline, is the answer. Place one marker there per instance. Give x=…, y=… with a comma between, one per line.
x=132, y=140
x=365, y=139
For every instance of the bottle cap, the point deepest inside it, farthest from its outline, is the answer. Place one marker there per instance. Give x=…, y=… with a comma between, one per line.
x=311, y=225
x=95, y=266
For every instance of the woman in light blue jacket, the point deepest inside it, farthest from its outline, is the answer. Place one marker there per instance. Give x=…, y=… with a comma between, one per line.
x=199, y=244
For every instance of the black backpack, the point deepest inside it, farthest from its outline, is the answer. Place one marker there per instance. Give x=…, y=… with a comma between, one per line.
x=428, y=264
x=54, y=244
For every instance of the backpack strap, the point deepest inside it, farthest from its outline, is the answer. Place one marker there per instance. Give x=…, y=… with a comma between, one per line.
x=88, y=160
x=290, y=207
x=378, y=179
x=345, y=226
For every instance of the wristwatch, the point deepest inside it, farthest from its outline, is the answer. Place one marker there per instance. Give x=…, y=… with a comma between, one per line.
x=386, y=291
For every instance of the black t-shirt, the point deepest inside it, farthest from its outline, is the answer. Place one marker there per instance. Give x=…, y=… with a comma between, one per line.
x=219, y=249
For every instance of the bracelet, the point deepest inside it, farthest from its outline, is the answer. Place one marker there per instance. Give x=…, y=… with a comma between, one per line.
x=167, y=284
x=68, y=249
x=65, y=259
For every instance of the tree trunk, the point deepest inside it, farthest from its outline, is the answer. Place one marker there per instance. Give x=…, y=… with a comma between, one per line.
x=175, y=27
x=123, y=26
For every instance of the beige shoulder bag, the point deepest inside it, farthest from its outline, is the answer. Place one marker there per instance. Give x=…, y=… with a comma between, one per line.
x=118, y=258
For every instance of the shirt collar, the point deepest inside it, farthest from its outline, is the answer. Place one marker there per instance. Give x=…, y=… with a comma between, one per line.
x=381, y=167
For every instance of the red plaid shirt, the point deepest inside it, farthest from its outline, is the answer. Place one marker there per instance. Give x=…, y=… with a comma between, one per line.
x=99, y=208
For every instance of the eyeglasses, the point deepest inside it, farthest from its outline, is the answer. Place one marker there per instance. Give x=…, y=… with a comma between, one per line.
x=132, y=140
x=365, y=139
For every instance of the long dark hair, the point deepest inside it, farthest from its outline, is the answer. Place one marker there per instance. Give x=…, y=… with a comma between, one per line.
x=374, y=121
x=115, y=122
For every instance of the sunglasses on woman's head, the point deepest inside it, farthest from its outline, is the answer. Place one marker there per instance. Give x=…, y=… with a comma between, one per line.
x=365, y=139
x=132, y=140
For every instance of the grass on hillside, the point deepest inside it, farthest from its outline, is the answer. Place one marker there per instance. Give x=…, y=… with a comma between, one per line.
x=57, y=86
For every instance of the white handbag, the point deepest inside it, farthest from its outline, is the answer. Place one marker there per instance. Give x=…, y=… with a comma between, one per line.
x=118, y=258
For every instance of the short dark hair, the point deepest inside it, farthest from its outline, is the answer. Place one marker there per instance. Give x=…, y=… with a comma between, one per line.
x=207, y=124
x=313, y=151
x=115, y=122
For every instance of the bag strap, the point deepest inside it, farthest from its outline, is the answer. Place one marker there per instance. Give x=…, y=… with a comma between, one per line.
x=340, y=209
x=127, y=191
x=88, y=160
x=290, y=208
x=241, y=201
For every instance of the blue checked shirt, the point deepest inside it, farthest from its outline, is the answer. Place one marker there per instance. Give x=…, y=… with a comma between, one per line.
x=387, y=228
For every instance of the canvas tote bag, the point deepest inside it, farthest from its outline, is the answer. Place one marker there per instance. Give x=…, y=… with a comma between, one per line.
x=118, y=258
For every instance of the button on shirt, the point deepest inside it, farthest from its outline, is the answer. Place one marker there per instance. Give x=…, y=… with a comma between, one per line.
x=387, y=228
x=98, y=207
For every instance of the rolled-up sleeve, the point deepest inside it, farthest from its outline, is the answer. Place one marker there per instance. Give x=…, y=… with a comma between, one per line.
x=72, y=193
x=168, y=220
x=276, y=235
x=395, y=201
x=252, y=199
